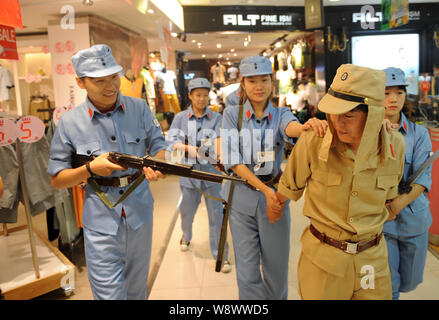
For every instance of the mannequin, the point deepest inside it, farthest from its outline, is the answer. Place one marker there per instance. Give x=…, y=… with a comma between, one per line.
x=166, y=81
x=218, y=75
x=130, y=86
x=148, y=83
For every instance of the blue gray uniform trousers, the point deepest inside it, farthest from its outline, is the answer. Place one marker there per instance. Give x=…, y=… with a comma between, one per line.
x=118, y=266
x=407, y=256
x=188, y=207
x=256, y=241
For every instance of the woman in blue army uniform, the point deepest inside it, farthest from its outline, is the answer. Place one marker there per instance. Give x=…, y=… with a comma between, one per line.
x=406, y=232
x=259, y=238
x=199, y=127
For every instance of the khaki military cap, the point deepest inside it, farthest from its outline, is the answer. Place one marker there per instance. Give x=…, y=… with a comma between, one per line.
x=353, y=85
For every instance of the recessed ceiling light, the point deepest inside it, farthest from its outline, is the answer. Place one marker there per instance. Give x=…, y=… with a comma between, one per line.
x=220, y=56
x=232, y=50
x=203, y=56
x=193, y=41
x=87, y=3
x=199, y=43
x=278, y=45
x=245, y=43
x=174, y=34
x=150, y=11
x=235, y=54
x=219, y=45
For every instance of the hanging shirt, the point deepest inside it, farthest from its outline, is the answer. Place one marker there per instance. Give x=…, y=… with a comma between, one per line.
x=233, y=72
x=131, y=88
x=285, y=78
x=130, y=128
x=6, y=84
x=167, y=81
x=260, y=148
x=218, y=73
x=201, y=132
x=416, y=218
x=148, y=82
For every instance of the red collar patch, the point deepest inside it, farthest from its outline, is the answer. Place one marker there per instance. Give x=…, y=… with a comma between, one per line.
x=189, y=115
x=404, y=125
x=391, y=149
x=123, y=106
x=249, y=114
x=269, y=116
x=90, y=112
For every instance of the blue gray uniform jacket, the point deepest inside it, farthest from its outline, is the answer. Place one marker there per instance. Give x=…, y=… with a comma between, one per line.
x=258, y=135
x=201, y=131
x=129, y=128
x=416, y=218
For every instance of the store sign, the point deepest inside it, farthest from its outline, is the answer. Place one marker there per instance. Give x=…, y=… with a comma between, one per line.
x=8, y=43
x=372, y=17
x=257, y=19
x=314, y=14
x=28, y=129
x=199, y=19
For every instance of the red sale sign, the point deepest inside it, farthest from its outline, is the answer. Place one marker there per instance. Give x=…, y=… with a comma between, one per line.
x=31, y=129
x=8, y=44
x=8, y=132
x=10, y=14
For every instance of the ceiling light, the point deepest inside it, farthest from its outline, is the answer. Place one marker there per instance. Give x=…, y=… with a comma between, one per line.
x=87, y=3
x=235, y=54
x=245, y=43
x=232, y=50
x=219, y=45
x=150, y=11
x=193, y=41
x=199, y=43
x=220, y=56
x=203, y=56
x=278, y=44
x=174, y=34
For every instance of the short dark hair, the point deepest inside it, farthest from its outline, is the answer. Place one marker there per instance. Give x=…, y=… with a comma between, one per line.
x=361, y=107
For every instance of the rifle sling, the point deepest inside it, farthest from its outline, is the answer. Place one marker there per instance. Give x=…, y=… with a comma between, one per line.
x=104, y=197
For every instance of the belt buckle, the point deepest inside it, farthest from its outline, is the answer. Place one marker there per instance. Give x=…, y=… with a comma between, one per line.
x=351, y=247
x=123, y=182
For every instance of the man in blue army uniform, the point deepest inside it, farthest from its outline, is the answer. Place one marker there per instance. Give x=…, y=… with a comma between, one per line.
x=117, y=239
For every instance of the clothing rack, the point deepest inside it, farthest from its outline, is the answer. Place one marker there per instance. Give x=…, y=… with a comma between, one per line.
x=47, y=278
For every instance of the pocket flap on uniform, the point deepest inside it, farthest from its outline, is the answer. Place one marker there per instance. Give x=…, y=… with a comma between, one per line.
x=88, y=148
x=134, y=137
x=386, y=182
x=334, y=179
x=327, y=178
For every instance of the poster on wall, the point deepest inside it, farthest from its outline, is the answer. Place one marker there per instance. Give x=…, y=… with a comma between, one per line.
x=8, y=43
x=63, y=44
x=395, y=13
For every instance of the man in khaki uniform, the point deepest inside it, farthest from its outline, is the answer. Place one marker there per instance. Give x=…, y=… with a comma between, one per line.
x=349, y=175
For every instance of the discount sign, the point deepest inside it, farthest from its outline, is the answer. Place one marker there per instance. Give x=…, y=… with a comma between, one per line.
x=28, y=129
x=8, y=132
x=31, y=129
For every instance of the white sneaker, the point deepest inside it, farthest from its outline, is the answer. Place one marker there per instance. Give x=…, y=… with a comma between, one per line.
x=184, y=245
x=226, y=267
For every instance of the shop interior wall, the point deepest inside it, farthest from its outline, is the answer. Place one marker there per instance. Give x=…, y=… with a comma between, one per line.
x=339, y=16
x=129, y=48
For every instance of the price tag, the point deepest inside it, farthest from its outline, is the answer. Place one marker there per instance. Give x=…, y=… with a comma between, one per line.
x=30, y=128
x=8, y=132
x=59, y=112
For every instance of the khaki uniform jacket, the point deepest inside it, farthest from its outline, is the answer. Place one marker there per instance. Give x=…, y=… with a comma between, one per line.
x=345, y=193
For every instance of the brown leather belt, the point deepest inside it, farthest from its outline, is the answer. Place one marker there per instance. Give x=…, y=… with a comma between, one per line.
x=349, y=247
x=270, y=182
x=117, y=182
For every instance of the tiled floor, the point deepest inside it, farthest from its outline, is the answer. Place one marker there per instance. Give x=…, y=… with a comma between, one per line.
x=191, y=275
